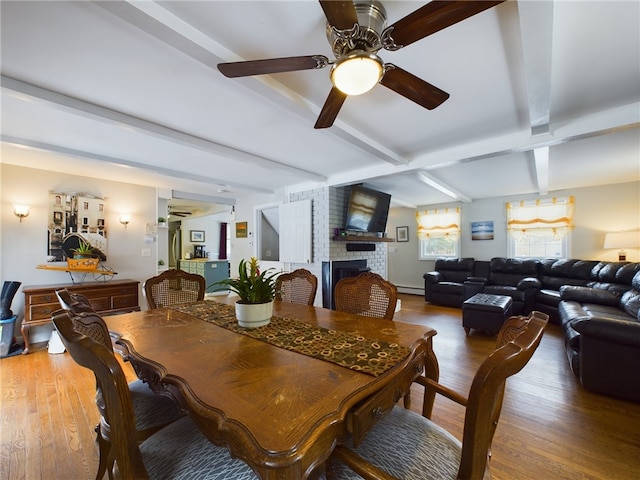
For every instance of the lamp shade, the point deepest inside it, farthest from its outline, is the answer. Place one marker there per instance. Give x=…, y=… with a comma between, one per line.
x=622, y=240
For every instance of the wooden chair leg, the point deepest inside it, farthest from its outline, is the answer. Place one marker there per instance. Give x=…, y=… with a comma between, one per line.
x=329, y=469
x=103, y=454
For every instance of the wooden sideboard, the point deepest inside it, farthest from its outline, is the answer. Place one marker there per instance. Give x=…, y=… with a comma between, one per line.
x=107, y=298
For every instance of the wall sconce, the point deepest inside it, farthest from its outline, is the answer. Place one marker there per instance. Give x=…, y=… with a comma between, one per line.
x=125, y=219
x=21, y=211
x=622, y=240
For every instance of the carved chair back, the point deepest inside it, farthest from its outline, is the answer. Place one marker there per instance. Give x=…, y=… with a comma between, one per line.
x=173, y=287
x=367, y=294
x=117, y=408
x=299, y=286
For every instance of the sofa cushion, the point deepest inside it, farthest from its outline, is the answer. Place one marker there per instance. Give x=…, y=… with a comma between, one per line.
x=454, y=269
x=450, y=288
x=556, y=272
x=588, y=294
x=624, y=332
x=630, y=302
x=605, y=311
x=509, y=271
x=627, y=273
x=614, y=276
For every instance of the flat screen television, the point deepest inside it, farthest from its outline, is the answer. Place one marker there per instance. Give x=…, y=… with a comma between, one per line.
x=367, y=210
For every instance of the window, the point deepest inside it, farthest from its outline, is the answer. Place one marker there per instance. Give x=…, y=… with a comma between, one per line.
x=540, y=228
x=439, y=233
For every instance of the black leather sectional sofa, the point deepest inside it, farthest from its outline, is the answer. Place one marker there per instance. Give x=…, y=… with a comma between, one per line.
x=596, y=303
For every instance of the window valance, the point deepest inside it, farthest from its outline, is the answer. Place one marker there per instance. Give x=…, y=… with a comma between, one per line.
x=439, y=223
x=553, y=215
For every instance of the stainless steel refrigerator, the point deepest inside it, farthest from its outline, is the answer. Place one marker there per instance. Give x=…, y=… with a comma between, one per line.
x=175, y=244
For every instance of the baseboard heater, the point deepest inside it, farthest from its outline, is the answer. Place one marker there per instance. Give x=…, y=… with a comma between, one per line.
x=361, y=247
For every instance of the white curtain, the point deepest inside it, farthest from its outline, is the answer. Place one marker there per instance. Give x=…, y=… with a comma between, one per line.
x=439, y=223
x=552, y=215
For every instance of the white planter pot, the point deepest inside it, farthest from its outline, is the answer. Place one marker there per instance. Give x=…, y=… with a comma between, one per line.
x=252, y=315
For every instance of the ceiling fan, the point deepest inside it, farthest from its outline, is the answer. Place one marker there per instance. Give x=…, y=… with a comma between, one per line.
x=357, y=31
x=179, y=213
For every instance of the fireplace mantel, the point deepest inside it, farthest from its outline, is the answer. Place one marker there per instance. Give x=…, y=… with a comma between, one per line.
x=361, y=238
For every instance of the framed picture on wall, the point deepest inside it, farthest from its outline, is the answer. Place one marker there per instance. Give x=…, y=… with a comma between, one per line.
x=482, y=230
x=75, y=217
x=241, y=229
x=197, y=235
x=402, y=234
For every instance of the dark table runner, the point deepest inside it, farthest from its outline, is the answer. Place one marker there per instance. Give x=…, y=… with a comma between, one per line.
x=345, y=349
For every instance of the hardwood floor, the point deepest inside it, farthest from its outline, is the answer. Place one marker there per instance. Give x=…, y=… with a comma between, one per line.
x=550, y=428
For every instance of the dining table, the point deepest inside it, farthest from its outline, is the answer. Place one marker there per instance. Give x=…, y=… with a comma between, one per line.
x=282, y=396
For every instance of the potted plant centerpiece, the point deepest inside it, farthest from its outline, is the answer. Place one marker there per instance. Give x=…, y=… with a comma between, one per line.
x=83, y=250
x=256, y=290
x=84, y=257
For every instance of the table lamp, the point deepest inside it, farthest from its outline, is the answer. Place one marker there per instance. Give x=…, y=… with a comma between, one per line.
x=622, y=240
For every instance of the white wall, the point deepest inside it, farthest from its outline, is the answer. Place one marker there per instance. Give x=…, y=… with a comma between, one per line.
x=24, y=245
x=246, y=212
x=210, y=225
x=598, y=210
x=403, y=256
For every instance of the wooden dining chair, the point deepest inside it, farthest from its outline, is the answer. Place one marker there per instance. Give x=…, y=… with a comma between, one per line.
x=173, y=287
x=179, y=450
x=299, y=286
x=367, y=294
x=73, y=302
x=151, y=411
x=408, y=446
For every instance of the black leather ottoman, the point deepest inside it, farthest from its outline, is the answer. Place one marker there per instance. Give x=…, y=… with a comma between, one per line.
x=484, y=311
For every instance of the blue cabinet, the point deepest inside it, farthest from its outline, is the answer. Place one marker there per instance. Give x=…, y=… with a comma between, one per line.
x=212, y=270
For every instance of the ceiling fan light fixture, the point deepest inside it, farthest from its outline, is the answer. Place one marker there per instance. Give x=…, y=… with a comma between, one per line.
x=357, y=73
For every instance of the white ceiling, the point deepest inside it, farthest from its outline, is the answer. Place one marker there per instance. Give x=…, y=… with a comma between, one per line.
x=130, y=91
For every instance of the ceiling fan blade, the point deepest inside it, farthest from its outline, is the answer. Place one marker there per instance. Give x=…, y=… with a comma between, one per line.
x=433, y=17
x=330, y=108
x=413, y=88
x=341, y=15
x=272, y=65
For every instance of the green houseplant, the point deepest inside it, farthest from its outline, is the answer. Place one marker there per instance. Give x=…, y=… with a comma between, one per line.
x=84, y=257
x=83, y=250
x=256, y=290
x=252, y=285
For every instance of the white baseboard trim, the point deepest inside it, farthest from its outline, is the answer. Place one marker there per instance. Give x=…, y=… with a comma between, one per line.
x=411, y=290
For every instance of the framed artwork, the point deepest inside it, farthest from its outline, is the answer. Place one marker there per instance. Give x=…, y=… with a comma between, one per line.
x=197, y=235
x=402, y=234
x=74, y=218
x=241, y=229
x=482, y=230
